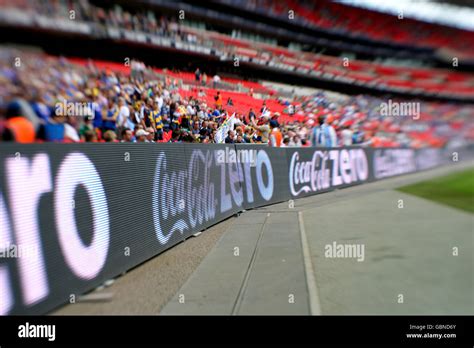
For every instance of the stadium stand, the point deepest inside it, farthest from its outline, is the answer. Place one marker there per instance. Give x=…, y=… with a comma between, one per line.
x=415, y=80
x=354, y=21
x=190, y=106
x=166, y=106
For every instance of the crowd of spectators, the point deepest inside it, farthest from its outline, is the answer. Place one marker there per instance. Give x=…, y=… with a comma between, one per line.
x=117, y=23
x=51, y=99
x=82, y=11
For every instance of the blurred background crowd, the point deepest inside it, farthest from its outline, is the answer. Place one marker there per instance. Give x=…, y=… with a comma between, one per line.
x=55, y=98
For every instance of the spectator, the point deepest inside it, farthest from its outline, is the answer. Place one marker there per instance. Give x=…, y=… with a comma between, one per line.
x=41, y=108
x=275, y=117
x=185, y=121
x=248, y=134
x=20, y=129
x=147, y=113
x=285, y=142
x=86, y=126
x=90, y=136
x=175, y=136
x=252, y=116
x=126, y=135
x=218, y=99
x=156, y=122
x=238, y=131
x=53, y=129
x=347, y=136
x=110, y=136
x=358, y=136
x=230, y=137
x=166, y=123
x=205, y=130
x=295, y=141
x=197, y=75
x=275, y=137
x=263, y=130
x=324, y=134
x=70, y=132
x=109, y=122
x=196, y=130
x=141, y=136
x=123, y=117
x=215, y=81
x=150, y=137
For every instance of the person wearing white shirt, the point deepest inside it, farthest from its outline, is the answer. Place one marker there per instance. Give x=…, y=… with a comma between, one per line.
x=346, y=135
x=159, y=101
x=216, y=79
x=123, y=118
x=71, y=133
x=124, y=113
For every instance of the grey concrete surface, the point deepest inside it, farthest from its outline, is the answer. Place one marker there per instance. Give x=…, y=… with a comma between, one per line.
x=276, y=282
x=408, y=252
x=215, y=286
x=408, y=266
x=236, y=281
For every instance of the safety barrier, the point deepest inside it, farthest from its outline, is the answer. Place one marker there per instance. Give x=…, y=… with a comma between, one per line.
x=75, y=215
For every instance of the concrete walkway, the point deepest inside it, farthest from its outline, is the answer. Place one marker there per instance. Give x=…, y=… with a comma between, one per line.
x=255, y=268
x=273, y=260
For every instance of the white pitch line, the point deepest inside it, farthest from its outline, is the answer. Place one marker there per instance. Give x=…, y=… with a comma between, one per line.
x=314, y=304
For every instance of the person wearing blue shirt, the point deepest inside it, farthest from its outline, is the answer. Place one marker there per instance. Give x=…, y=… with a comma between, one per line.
x=109, y=123
x=41, y=109
x=323, y=135
x=97, y=112
x=53, y=129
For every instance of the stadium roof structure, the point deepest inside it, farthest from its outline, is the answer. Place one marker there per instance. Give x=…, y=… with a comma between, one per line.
x=454, y=13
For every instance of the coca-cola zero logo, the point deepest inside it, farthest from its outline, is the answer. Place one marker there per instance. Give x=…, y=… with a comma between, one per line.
x=185, y=195
x=347, y=166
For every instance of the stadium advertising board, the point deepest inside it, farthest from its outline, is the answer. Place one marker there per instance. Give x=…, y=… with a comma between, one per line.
x=318, y=170
x=75, y=215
